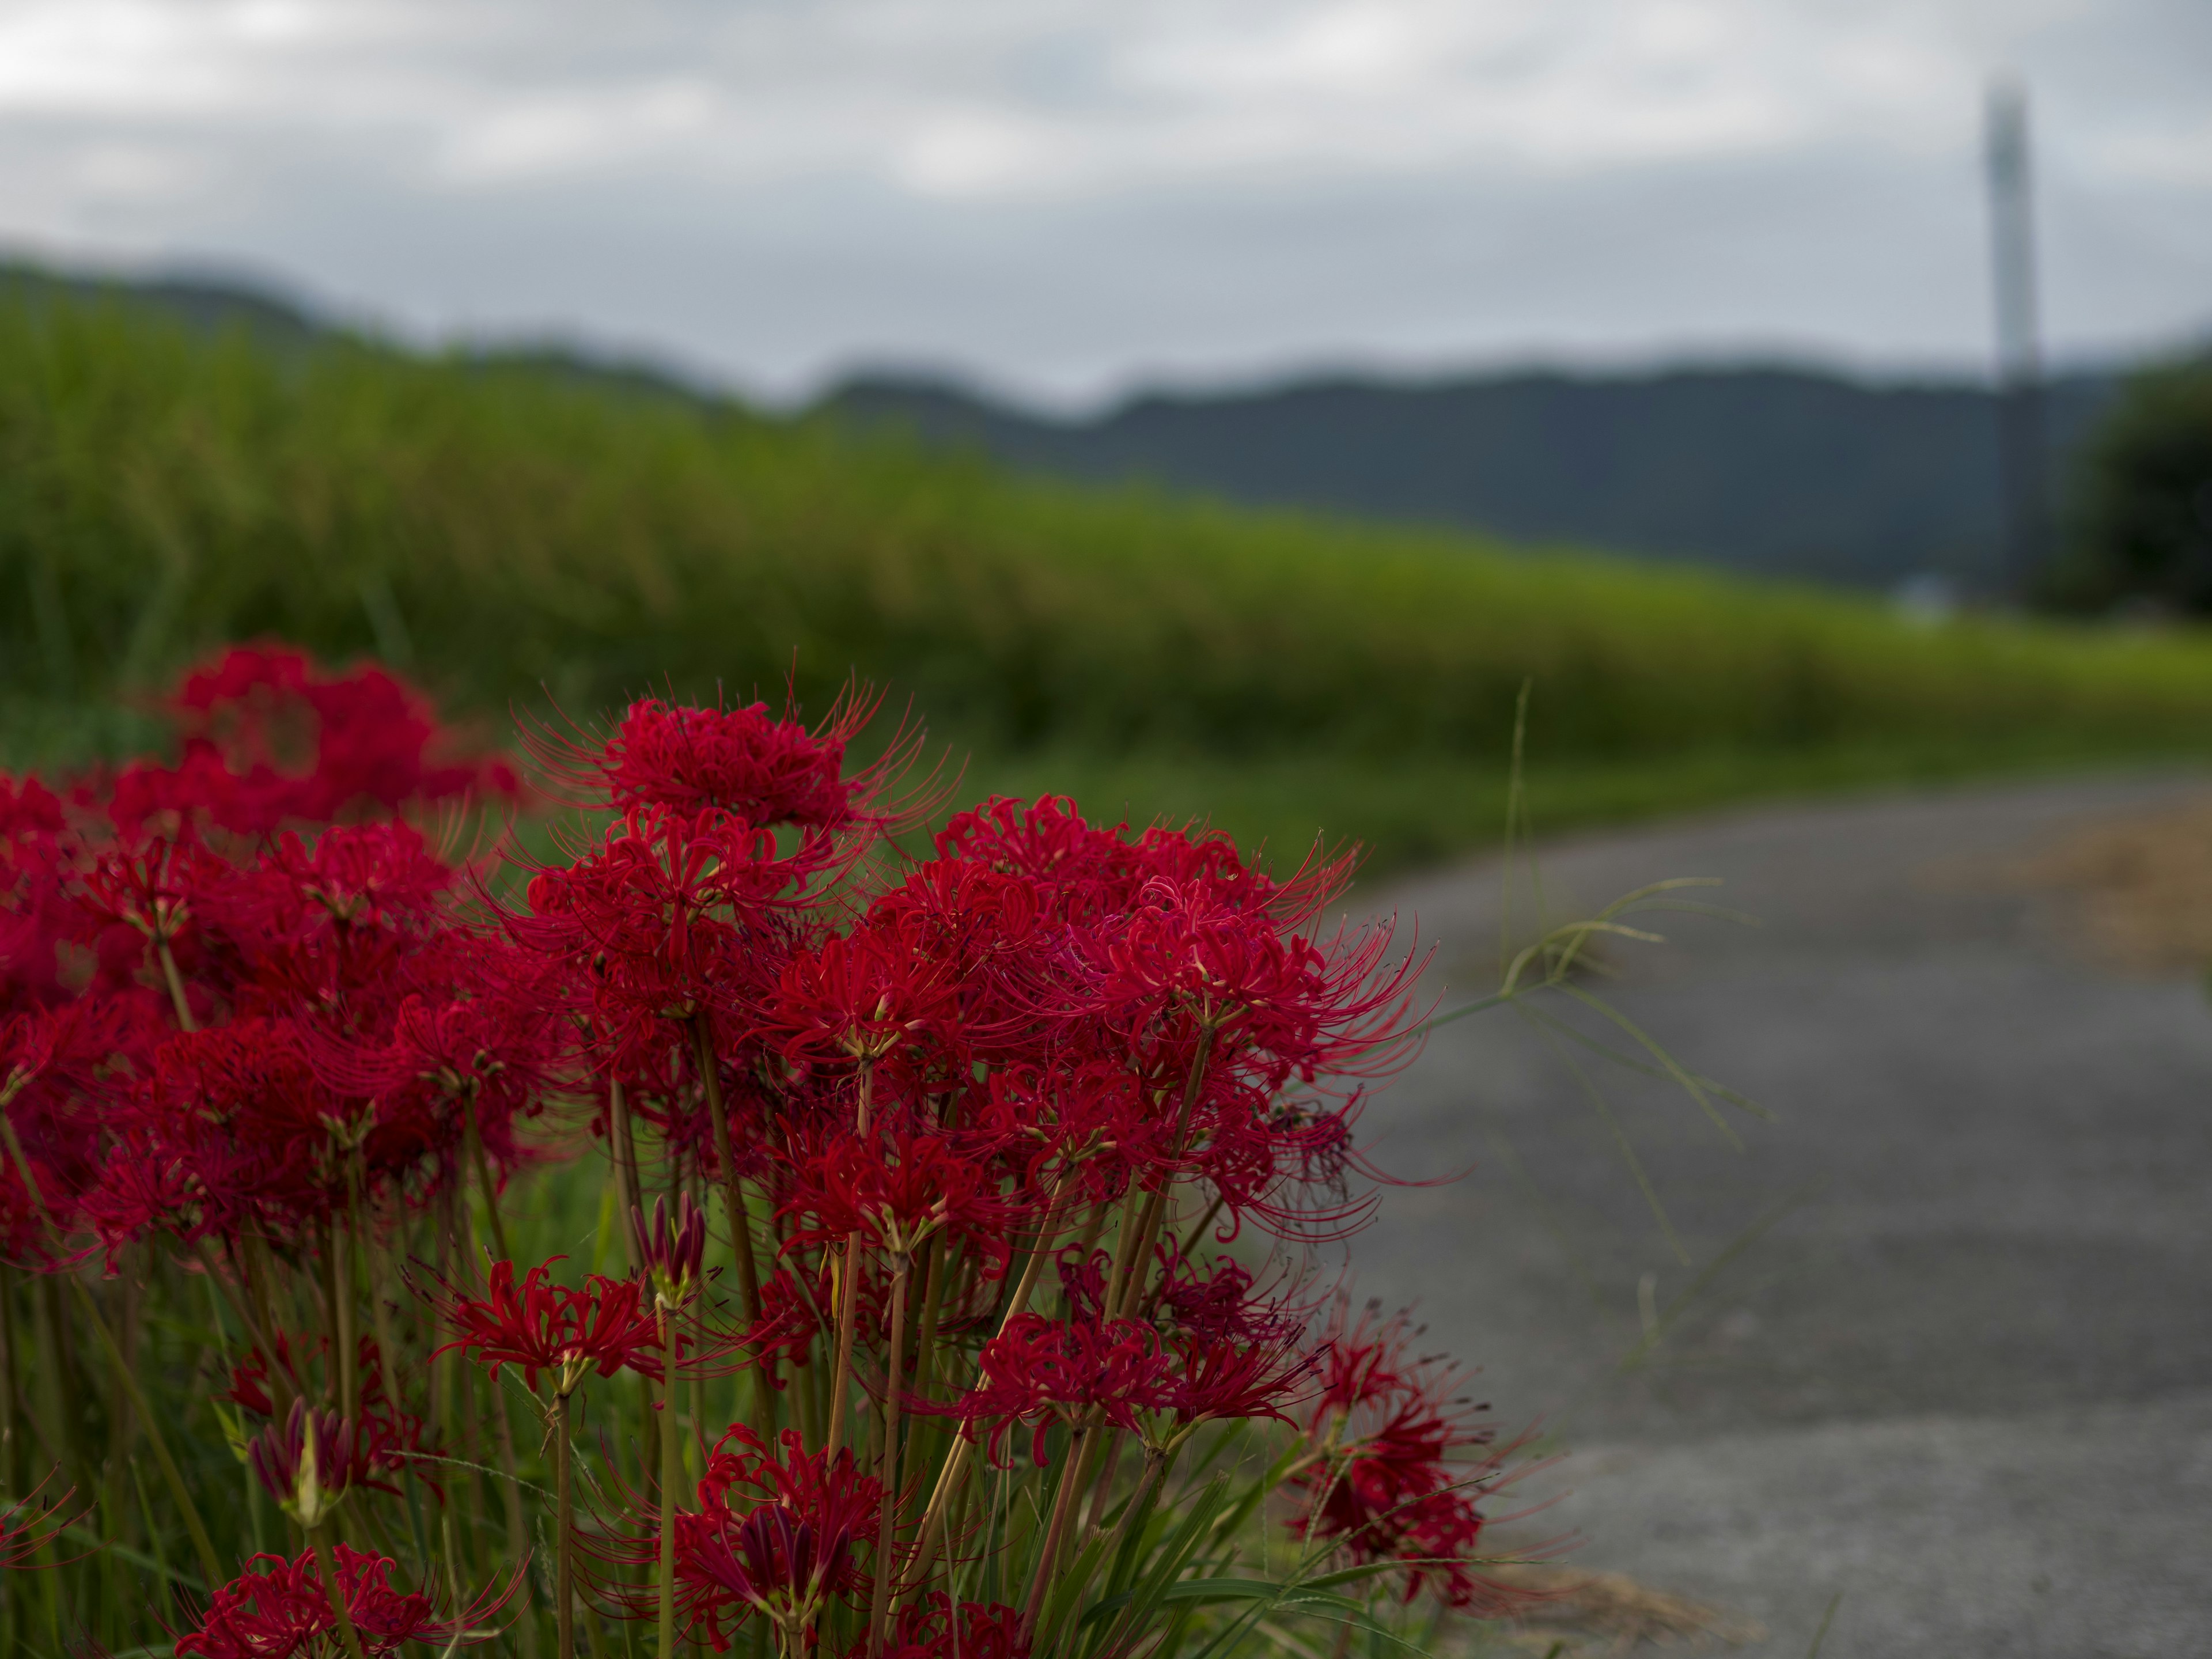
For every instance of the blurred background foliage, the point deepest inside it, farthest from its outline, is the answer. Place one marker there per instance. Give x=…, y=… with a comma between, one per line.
x=2141, y=530
x=520, y=535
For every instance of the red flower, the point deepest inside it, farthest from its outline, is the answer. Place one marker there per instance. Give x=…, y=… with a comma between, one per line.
x=540, y=1326
x=1399, y=1483
x=925, y=1628
x=869, y=994
x=30, y=1523
x=278, y=1609
x=895, y=1190
x=742, y=760
x=773, y=1536
x=1038, y=1369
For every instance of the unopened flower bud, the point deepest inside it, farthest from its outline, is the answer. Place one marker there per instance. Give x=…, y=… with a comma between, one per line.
x=670, y=1255
x=304, y=1463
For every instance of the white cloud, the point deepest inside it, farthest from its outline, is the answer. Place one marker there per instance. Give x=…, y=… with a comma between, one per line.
x=842, y=139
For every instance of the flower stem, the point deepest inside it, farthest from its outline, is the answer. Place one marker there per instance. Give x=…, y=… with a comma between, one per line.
x=879, y=1607
x=741, y=1226
x=336, y=1592
x=848, y=1294
x=1148, y=1224
x=849, y=1314
x=483, y=1181
x=956, y=1465
x=669, y=1476
x=175, y=981
x=1070, y=1478
x=564, y=1591
x=518, y=1531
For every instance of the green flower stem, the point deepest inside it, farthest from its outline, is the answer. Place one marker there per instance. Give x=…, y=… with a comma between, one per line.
x=341, y=1341
x=668, y=1479
x=483, y=1166
x=849, y=1310
x=1063, y=1501
x=1148, y=1224
x=323, y=1560
x=849, y=1300
x=741, y=1226
x=879, y=1605
x=175, y=981
x=949, y=1479
x=517, y=1528
x=564, y=1583
x=621, y=1158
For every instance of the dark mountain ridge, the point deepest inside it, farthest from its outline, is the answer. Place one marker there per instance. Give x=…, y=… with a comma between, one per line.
x=1782, y=469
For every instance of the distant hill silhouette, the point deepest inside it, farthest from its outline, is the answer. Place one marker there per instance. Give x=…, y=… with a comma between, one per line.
x=1783, y=470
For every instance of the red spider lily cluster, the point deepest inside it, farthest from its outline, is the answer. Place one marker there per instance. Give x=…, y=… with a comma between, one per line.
x=951, y=1187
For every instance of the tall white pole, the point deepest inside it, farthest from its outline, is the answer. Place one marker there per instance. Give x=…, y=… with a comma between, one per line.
x=2022, y=450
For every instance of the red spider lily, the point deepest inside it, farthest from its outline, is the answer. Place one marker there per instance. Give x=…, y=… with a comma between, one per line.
x=539, y=1326
x=305, y=1463
x=772, y=1535
x=869, y=995
x=1224, y=1378
x=29, y=1525
x=231, y=1131
x=1398, y=1482
x=895, y=1190
x=1297, y=1007
x=288, y=742
x=278, y=1609
x=1038, y=1370
x=742, y=760
x=926, y=1628
x=369, y=875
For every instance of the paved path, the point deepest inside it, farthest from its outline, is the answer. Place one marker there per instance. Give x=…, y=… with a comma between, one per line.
x=1967, y=1378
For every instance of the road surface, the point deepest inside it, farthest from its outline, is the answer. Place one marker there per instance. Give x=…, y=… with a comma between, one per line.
x=1965, y=1379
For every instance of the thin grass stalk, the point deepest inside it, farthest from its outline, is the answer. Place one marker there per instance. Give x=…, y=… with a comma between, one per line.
x=128, y=1383
x=179, y=1493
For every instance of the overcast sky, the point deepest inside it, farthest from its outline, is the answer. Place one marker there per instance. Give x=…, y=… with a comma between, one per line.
x=1064, y=197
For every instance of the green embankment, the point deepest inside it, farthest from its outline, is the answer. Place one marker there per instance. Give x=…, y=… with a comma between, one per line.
x=512, y=534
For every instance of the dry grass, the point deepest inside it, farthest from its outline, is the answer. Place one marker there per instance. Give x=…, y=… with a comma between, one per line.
x=1600, y=1615
x=2139, y=889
